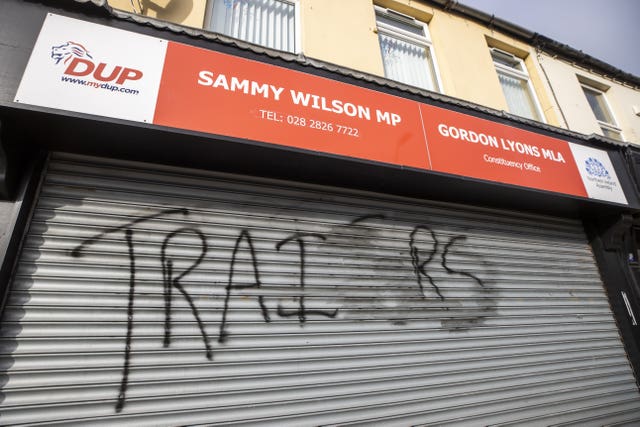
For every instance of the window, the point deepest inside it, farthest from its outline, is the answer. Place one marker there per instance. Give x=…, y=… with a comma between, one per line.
x=516, y=85
x=601, y=110
x=269, y=23
x=406, y=50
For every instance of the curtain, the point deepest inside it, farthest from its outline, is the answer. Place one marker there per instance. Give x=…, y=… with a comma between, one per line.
x=406, y=62
x=519, y=99
x=269, y=23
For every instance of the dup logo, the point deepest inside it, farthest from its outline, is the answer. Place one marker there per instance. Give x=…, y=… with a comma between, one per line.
x=595, y=168
x=80, y=63
x=65, y=52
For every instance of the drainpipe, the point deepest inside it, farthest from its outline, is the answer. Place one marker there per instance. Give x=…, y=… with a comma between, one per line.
x=555, y=98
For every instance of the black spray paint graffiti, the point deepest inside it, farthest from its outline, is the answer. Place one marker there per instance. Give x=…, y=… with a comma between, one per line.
x=128, y=234
x=452, y=241
x=169, y=282
x=244, y=235
x=422, y=258
x=419, y=266
x=302, y=311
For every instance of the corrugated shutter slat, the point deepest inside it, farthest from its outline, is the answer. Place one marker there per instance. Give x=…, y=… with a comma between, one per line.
x=412, y=313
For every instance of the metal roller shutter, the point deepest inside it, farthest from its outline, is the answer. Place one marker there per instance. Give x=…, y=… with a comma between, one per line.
x=150, y=295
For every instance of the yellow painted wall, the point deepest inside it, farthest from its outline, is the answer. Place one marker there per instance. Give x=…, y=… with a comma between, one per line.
x=465, y=63
x=462, y=50
x=184, y=12
x=341, y=32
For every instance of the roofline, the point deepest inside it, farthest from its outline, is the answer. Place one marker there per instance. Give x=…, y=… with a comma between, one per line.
x=539, y=41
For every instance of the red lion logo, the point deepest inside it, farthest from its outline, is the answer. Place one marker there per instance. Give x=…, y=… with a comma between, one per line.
x=67, y=51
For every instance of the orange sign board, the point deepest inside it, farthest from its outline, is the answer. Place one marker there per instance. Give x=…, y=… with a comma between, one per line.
x=220, y=94
x=226, y=95
x=186, y=87
x=469, y=146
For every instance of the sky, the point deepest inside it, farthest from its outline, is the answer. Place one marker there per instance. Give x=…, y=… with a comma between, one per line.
x=605, y=29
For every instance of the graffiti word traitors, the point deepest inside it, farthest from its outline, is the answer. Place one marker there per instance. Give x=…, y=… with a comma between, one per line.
x=425, y=251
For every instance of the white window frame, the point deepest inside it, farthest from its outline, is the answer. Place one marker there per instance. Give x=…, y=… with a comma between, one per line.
x=411, y=38
x=613, y=127
x=518, y=71
x=297, y=27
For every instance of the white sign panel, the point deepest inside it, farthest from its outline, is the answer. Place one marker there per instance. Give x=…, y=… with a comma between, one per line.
x=597, y=172
x=83, y=67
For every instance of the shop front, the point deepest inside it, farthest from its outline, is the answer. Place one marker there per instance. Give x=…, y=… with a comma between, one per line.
x=211, y=235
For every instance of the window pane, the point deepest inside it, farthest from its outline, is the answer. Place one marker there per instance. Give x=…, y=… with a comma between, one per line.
x=519, y=98
x=269, y=23
x=406, y=62
x=597, y=103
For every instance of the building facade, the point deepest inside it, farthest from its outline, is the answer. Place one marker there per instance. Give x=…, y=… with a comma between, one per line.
x=470, y=55
x=312, y=212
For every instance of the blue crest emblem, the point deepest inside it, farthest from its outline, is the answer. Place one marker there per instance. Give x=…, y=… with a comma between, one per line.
x=595, y=168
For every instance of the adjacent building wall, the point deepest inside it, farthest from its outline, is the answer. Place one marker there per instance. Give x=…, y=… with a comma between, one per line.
x=577, y=112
